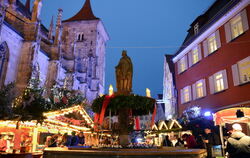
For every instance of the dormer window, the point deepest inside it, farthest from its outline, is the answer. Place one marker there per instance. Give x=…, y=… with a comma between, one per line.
x=80, y=37
x=196, y=28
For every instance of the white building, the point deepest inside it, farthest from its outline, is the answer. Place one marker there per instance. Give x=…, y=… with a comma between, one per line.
x=71, y=55
x=169, y=91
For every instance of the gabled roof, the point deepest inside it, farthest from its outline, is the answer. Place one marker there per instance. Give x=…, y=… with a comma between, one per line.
x=85, y=13
x=217, y=10
x=27, y=5
x=163, y=126
x=154, y=127
x=58, y=117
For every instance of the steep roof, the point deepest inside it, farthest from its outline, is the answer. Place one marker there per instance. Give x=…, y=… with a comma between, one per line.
x=85, y=13
x=217, y=10
x=27, y=5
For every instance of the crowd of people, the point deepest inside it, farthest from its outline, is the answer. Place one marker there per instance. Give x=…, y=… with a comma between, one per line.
x=237, y=143
x=65, y=140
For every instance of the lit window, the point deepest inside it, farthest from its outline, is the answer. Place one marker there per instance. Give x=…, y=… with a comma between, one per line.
x=236, y=26
x=244, y=70
x=219, y=83
x=195, y=56
x=199, y=90
x=212, y=45
x=183, y=64
x=186, y=94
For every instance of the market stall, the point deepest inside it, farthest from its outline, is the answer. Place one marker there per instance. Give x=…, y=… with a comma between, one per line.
x=163, y=128
x=230, y=116
x=32, y=135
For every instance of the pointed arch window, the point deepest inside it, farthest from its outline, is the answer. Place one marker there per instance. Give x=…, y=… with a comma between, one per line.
x=4, y=58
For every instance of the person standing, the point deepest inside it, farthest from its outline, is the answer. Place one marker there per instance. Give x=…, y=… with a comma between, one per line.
x=3, y=144
x=190, y=141
x=238, y=144
x=81, y=138
x=167, y=142
x=211, y=139
x=74, y=139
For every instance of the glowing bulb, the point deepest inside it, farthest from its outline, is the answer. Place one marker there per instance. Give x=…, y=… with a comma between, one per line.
x=148, y=92
x=111, y=90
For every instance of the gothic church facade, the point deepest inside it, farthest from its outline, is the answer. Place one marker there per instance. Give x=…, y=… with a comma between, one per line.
x=70, y=54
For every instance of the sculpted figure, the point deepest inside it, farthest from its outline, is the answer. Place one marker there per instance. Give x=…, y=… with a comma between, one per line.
x=36, y=11
x=124, y=74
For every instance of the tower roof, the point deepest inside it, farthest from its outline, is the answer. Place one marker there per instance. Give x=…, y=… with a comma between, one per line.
x=27, y=5
x=85, y=13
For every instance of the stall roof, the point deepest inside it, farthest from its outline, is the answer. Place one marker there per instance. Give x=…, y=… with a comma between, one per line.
x=229, y=116
x=52, y=117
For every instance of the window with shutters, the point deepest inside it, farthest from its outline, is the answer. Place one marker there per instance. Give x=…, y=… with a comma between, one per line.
x=186, y=94
x=219, y=83
x=195, y=56
x=183, y=64
x=212, y=44
x=199, y=90
x=241, y=71
x=236, y=26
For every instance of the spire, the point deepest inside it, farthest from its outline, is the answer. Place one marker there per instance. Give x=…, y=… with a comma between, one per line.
x=85, y=13
x=27, y=5
x=58, y=27
x=51, y=28
x=59, y=17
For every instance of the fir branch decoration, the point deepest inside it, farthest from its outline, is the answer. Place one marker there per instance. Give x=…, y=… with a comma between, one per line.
x=140, y=105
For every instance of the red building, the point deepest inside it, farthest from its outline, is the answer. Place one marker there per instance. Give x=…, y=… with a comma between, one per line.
x=213, y=63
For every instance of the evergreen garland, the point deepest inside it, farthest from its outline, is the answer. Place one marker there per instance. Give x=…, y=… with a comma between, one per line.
x=140, y=105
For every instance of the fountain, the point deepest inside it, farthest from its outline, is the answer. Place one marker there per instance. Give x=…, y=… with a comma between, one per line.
x=125, y=104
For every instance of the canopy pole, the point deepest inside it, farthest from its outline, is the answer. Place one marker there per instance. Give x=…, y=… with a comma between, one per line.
x=222, y=140
x=110, y=119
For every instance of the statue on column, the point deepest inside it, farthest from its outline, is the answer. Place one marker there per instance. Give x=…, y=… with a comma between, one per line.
x=124, y=74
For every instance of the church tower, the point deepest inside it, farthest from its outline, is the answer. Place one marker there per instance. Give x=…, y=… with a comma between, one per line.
x=83, y=52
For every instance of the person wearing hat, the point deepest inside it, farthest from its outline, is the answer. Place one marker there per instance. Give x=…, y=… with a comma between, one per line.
x=238, y=145
x=211, y=139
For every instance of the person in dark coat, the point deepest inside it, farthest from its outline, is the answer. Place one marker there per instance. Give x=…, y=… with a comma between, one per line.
x=167, y=142
x=81, y=138
x=74, y=139
x=211, y=139
x=65, y=141
x=238, y=144
x=200, y=142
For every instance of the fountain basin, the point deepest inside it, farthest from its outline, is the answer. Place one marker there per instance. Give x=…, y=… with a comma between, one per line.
x=168, y=152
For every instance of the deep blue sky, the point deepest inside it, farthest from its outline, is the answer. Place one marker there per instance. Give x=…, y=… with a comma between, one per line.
x=147, y=29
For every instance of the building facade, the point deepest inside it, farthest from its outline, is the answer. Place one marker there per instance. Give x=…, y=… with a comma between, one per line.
x=70, y=54
x=169, y=98
x=213, y=64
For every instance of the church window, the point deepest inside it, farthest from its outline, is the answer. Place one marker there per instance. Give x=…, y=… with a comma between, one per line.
x=79, y=37
x=4, y=57
x=82, y=37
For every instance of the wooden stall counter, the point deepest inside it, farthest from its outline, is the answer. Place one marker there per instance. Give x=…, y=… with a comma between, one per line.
x=20, y=155
x=124, y=153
